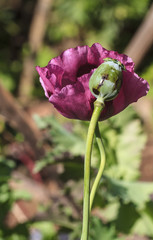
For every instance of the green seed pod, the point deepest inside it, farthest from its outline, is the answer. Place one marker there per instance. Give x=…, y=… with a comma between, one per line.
x=106, y=81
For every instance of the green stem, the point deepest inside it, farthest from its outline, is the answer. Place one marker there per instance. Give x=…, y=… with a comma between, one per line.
x=98, y=106
x=101, y=167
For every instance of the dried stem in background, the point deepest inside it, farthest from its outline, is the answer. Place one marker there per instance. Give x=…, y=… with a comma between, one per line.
x=11, y=110
x=36, y=35
x=142, y=39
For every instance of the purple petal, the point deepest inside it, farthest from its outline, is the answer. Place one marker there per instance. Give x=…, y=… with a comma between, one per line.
x=45, y=82
x=132, y=89
x=70, y=61
x=98, y=53
x=73, y=101
x=50, y=78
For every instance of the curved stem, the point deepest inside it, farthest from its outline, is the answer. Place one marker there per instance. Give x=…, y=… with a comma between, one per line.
x=101, y=167
x=86, y=204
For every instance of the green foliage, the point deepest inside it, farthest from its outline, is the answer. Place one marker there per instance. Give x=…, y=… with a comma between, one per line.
x=7, y=81
x=127, y=152
x=136, y=205
x=120, y=193
x=99, y=231
x=94, y=21
x=7, y=198
x=18, y=233
x=44, y=55
x=6, y=194
x=123, y=137
x=44, y=229
x=136, y=192
x=62, y=139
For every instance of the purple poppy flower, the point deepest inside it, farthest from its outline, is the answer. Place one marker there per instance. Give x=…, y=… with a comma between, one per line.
x=66, y=82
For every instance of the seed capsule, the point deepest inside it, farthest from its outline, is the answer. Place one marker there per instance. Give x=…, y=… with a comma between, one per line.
x=106, y=81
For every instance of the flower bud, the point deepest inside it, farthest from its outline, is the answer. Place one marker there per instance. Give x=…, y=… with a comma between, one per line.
x=106, y=81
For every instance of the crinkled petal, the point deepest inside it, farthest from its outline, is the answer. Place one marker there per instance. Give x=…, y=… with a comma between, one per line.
x=45, y=82
x=97, y=53
x=74, y=101
x=70, y=61
x=58, y=72
x=50, y=78
x=132, y=89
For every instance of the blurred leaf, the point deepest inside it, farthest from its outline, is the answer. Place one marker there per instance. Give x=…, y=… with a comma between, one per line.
x=20, y=232
x=136, y=192
x=98, y=231
x=67, y=140
x=6, y=193
x=63, y=141
x=21, y=194
x=46, y=230
x=143, y=225
x=132, y=133
x=48, y=159
x=7, y=81
x=122, y=119
x=6, y=167
x=41, y=122
x=110, y=211
x=44, y=55
x=73, y=171
x=15, y=236
x=126, y=218
x=128, y=154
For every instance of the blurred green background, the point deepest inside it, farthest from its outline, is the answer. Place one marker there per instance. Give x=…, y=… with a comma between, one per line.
x=33, y=32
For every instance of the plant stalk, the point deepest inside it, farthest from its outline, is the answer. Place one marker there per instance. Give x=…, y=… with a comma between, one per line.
x=98, y=107
x=101, y=167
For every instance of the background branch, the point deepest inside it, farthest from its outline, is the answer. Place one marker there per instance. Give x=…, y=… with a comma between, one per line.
x=142, y=39
x=36, y=35
x=23, y=122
